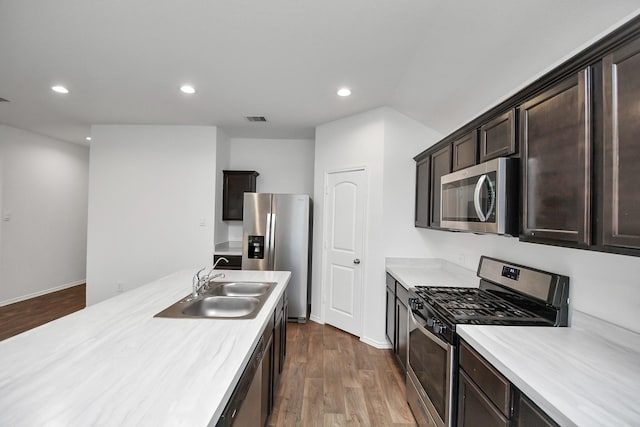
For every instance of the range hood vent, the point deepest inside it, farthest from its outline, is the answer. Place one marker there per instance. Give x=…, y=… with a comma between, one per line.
x=4, y=100
x=256, y=118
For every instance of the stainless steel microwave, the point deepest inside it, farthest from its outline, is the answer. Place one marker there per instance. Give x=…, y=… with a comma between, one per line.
x=481, y=198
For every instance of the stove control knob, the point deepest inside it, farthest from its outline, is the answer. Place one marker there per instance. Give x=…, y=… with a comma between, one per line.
x=416, y=304
x=438, y=327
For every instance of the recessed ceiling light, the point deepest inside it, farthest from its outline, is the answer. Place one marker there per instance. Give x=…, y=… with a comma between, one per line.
x=344, y=92
x=87, y=138
x=188, y=89
x=59, y=89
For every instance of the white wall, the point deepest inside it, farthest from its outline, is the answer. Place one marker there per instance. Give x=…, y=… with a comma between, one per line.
x=354, y=142
x=223, y=156
x=403, y=139
x=284, y=165
x=44, y=191
x=151, y=204
x=603, y=285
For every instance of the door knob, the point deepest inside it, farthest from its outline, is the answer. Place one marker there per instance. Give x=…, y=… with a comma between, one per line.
x=356, y=261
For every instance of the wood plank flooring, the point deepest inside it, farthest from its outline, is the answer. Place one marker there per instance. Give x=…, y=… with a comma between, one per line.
x=24, y=315
x=330, y=378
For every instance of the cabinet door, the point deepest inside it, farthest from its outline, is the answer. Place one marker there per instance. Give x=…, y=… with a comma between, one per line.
x=621, y=74
x=401, y=333
x=268, y=392
x=235, y=184
x=465, y=151
x=532, y=416
x=235, y=262
x=391, y=318
x=422, y=192
x=556, y=155
x=498, y=137
x=440, y=165
x=474, y=409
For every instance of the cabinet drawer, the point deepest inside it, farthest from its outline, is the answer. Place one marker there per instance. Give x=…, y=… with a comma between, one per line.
x=235, y=262
x=493, y=384
x=474, y=407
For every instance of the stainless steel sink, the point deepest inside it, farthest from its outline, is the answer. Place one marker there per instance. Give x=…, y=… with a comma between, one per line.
x=223, y=300
x=241, y=289
x=221, y=307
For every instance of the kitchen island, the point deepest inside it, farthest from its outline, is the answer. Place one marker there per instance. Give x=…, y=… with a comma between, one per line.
x=114, y=364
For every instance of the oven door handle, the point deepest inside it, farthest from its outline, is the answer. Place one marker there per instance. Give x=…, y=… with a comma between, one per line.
x=443, y=344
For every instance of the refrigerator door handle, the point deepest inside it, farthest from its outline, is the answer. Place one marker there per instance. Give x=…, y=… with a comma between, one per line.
x=267, y=241
x=272, y=242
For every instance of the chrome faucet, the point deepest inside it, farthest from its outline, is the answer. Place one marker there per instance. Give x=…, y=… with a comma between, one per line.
x=199, y=282
x=215, y=264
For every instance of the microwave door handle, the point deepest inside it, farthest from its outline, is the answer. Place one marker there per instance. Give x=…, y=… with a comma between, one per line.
x=476, y=198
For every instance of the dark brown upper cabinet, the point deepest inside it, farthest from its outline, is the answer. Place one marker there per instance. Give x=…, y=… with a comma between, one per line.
x=235, y=184
x=556, y=162
x=465, y=151
x=498, y=137
x=621, y=173
x=422, y=192
x=440, y=165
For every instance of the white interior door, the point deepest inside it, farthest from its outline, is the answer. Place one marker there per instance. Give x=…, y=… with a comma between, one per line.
x=345, y=213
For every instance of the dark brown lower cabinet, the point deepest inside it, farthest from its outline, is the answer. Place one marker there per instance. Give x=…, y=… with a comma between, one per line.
x=475, y=408
x=529, y=415
x=235, y=262
x=621, y=80
x=486, y=398
x=555, y=136
x=268, y=389
x=390, y=321
x=402, y=336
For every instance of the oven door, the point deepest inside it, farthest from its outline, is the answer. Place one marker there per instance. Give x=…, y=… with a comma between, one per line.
x=430, y=369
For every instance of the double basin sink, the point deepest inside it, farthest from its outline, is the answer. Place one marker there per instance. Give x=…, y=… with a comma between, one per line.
x=222, y=300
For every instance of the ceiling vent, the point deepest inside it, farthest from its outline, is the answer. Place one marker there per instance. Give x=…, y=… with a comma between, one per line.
x=256, y=118
x=4, y=100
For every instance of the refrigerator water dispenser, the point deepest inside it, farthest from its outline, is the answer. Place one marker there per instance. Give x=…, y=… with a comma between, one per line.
x=256, y=247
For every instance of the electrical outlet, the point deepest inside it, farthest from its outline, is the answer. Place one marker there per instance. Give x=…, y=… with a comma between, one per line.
x=119, y=287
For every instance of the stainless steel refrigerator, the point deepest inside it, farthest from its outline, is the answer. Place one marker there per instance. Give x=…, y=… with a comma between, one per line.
x=277, y=236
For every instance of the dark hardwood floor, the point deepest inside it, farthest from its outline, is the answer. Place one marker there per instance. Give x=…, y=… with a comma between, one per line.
x=330, y=378
x=24, y=315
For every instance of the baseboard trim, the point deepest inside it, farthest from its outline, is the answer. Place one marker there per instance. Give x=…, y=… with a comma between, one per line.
x=316, y=319
x=40, y=293
x=382, y=345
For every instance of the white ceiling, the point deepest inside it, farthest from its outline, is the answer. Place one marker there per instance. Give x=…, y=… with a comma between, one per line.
x=440, y=62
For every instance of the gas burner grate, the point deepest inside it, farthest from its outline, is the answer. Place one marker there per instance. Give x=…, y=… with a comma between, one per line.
x=472, y=304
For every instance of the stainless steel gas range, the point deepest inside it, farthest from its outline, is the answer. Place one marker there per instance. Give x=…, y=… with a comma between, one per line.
x=509, y=294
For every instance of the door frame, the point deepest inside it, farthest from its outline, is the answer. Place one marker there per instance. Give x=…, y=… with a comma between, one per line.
x=325, y=228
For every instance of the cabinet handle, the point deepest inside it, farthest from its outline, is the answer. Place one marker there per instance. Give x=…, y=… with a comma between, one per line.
x=356, y=261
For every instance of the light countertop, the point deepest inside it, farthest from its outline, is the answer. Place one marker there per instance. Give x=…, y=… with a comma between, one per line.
x=410, y=272
x=584, y=375
x=228, y=248
x=114, y=364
